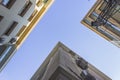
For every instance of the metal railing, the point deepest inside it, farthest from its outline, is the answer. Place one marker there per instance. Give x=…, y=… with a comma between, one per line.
x=107, y=12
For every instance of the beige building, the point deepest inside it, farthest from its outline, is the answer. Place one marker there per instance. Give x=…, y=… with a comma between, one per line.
x=17, y=19
x=64, y=64
x=104, y=19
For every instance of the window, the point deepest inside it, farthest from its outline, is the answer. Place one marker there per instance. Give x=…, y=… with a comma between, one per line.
x=102, y=6
x=116, y=16
x=105, y=33
x=1, y=17
x=7, y=3
x=11, y=28
x=62, y=77
x=2, y=49
x=87, y=76
x=113, y=28
x=33, y=14
x=61, y=74
x=93, y=15
x=6, y=53
x=27, y=5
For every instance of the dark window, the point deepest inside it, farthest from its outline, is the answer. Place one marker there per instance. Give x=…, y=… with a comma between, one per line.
x=1, y=17
x=87, y=76
x=87, y=22
x=27, y=5
x=11, y=28
x=62, y=77
x=6, y=54
x=33, y=14
x=7, y=3
x=2, y=49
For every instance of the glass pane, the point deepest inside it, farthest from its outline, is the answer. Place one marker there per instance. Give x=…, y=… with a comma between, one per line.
x=110, y=36
x=5, y=2
x=5, y=52
x=113, y=28
x=94, y=15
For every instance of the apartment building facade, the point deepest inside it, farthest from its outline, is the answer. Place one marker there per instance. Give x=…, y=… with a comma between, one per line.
x=17, y=20
x=104, y=19
x=64, y=64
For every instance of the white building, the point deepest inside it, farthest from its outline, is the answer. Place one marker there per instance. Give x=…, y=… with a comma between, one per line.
x=17, y=19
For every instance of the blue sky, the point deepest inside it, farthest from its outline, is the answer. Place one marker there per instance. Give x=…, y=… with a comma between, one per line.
x=62, y=23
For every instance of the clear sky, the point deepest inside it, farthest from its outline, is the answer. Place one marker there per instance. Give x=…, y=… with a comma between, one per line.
x=62, y=23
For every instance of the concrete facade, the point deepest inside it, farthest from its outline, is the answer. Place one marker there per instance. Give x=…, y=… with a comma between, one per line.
x=111, y=30
x=64, y=64
x=17, y=20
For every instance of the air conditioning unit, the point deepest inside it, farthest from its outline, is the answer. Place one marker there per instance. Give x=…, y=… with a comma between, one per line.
x=3, y=40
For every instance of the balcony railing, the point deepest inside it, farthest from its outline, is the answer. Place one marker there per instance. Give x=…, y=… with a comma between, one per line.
x=107, y=12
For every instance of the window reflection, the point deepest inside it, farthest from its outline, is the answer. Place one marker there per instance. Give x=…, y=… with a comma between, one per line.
x=5, y=2
x=6, y=51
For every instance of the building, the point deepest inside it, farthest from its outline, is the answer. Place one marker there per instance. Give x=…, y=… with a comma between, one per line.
x=103, y=18
x=64, y=64
x=17, y=20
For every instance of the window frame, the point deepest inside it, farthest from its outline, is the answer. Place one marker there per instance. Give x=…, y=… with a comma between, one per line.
x=11, y=28
x=25, y=8
x=9, y=4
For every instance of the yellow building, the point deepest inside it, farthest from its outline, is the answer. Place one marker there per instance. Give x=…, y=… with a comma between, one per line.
x=17, y=20
x=104, y=19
